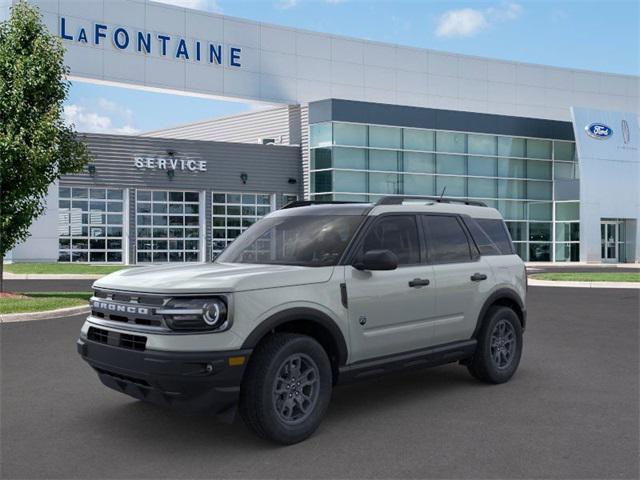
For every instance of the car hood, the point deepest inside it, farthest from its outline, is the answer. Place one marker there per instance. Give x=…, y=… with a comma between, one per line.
x=211, y=278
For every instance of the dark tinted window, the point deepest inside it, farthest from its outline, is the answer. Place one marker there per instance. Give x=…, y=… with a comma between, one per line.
x=398, y=234
x=482, y=240
x=447, y=241
x=497, y=232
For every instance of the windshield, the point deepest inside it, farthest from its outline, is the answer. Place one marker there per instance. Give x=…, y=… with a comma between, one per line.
x=309, y=241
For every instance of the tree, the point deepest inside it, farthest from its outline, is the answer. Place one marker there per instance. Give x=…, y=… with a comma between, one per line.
x=36, y=146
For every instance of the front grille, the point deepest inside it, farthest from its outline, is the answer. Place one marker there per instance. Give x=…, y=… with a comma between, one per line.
x=126, y=378
x=116, y=339
x=130, y=308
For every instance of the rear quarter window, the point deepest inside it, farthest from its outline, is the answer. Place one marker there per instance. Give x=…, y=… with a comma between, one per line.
x=497, y=233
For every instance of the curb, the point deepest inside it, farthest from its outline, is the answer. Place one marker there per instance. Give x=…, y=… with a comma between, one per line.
x=50, y=276
x=553, y=283
x=49, y=314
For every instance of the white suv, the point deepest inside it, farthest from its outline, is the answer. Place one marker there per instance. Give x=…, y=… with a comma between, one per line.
x=311, y=296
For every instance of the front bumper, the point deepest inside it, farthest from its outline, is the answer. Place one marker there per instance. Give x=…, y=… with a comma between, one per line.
x=186, y=381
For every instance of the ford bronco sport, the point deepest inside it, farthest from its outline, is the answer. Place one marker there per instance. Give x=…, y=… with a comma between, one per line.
x=311, y=296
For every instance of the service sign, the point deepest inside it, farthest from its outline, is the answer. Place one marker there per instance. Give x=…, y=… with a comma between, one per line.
x=170, y=163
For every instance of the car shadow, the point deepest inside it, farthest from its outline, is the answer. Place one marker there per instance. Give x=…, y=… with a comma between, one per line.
x=141, y=421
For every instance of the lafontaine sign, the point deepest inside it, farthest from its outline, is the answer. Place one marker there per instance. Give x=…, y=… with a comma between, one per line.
x=171, y=163
x=160, y=44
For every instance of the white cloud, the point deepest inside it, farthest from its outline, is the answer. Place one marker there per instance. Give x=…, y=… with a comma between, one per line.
x=286, y=4
x=207, y=5
x=467, y=22
x=105, y=117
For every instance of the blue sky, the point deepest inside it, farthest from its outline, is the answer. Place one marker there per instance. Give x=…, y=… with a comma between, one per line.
x=597, y=35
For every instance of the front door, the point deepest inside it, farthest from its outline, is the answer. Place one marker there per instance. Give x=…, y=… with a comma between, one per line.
x=391, y=311
x=609, y=241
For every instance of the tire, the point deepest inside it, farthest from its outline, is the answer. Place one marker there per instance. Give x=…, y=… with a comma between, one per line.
x=499, y=346
x=275, y=407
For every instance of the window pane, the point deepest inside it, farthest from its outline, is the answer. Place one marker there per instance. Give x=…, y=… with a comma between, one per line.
x=320, y=134
x=539, y=190
x=451, y=142
x=541, y=170
x=510, y=147
x=567, y=211
x=350, y=134
x=350, y=182
x=511, y=189
x=567, y=232
x=398, y=234
x=419, y=139
x=512, y=210
x=511, y=167
x=567, y=252
x=517, y=230
x=321, y=181
x=482, y=188
x=447, y=240
x=383, y=160
x=483, y=166
x=451, y=186
x=419, y=162
x=349, y=158
x=566, y=171
x=538, y=148
x=564, y=150
x=385, y=137
x=383, y=183
x=320, y=158
x=419, y=185
x=539, y=211
x=483, y=144
x=539, y=252
x=539, y=232
x=64, y=192
x=452, y=164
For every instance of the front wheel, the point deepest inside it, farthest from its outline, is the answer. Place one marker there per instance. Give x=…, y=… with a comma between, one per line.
x=499, y=346
x=287, y=388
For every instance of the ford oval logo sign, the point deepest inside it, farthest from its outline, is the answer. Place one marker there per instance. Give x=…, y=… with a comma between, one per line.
x=599, y=131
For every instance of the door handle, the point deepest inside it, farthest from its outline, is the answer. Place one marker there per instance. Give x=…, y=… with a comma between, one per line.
x=418, y=282
x=477, y=277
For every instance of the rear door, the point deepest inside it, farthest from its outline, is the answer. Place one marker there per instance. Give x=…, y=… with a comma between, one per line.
x=391, y=311
x=462, y=277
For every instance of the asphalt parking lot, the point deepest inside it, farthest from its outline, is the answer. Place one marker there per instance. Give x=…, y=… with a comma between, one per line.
x=571, y=411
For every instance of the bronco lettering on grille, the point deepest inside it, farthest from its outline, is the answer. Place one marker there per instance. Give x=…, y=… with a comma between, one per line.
x=115, y=307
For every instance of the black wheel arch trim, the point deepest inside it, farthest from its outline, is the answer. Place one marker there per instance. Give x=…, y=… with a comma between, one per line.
x=300, y=314
x=502, y=293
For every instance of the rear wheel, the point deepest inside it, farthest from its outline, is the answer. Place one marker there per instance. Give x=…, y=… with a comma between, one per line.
x=287, y=387
x=499, y=346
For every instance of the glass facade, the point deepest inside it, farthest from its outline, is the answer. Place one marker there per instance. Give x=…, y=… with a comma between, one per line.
x=90, y=225
x=167, y=226
x=233, y=213
x=361, y=162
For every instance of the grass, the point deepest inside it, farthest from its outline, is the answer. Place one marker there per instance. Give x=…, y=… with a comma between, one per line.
x=43, y=301
x=589, y=276
x=55, y=268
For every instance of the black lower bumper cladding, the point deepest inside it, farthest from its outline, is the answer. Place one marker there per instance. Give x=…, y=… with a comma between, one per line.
x=186, y=381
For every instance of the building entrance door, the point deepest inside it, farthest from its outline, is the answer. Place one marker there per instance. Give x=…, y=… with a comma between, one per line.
x=609, y=232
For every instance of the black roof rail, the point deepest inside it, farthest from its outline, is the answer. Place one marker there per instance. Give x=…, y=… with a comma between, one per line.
x=399, y=199
x=306, y=203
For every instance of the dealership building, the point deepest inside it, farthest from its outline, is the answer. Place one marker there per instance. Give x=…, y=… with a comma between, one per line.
x=555, y=150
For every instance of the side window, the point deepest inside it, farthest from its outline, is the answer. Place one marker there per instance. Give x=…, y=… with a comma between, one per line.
x=484, y=243
x=497, y=232
x=447, y=240
x=398, y=233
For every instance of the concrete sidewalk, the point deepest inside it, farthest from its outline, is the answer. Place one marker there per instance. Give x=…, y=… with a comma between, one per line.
x=553, y=283
x=52, y=276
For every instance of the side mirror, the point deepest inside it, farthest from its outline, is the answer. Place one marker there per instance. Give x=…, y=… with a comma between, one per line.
x=377, y=260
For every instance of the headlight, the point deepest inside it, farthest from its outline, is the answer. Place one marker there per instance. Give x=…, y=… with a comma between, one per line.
x=196, y=314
